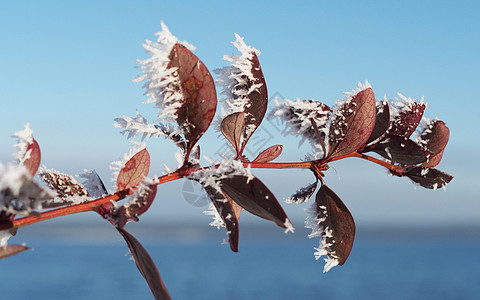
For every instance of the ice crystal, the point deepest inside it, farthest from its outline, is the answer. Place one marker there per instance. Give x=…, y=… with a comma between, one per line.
x=161, y=83
x=93, y=183
x=217, y=219
x=234, y=78
x=313, y=222
x=227, y=168
x=25, y=138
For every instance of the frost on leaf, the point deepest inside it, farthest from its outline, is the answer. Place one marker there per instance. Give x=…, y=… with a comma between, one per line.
x=333, y=223
x=256, y=198
x=68, y=189
x=352, y=122
x=429, y=178
x=232, y=128
x=243, y=87
x=180, y=85
x=146, y=266
x=10, y=250
x=137, y=204
x=28, y=150
x=19, y=194
x=303, y=194
x=401, y=150
x=93, y=183
x=407, y=114
x=382, y=121
x=199, y=97
x=298, y=116
x=229, y=213
x=434, y=137
x=133, y=168
x=269, y=154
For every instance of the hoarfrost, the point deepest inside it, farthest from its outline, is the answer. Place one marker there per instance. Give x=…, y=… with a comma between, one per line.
x=25, y=138
x=161, y=83
x=234, y=78
x=93, y=183
x=313, y=222
x=217, y=219
x=227, y=168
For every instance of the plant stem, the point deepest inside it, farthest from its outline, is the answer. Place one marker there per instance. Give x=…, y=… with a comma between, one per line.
x=96, y=204
x=82, y=207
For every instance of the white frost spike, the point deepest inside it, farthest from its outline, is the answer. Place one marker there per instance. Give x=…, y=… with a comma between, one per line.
x=234, y=78
x=162, y=84
x=313, y=223
x=116, y=166
x=137, y=126
x=227, y=168
x=25, y=138
x=217, y=220
x=402, y=103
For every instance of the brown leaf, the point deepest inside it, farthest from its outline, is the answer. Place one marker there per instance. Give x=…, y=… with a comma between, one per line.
x=228, y=211
x=33, y=162
x=401, y=150
x=255, y=198
x=435, y=139
x=429, y=178
x=269, y=154
x=407, y=121
x=232, y=128
x=134, y=171
x=146, y=266
x=382, y=121
x=138, y=204
x=199, y=95
x=10, y=250
x=353, y=124
x=256, y=107
x=337, y=222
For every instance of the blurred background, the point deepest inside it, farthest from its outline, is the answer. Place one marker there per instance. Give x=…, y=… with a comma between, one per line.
x=66, y=67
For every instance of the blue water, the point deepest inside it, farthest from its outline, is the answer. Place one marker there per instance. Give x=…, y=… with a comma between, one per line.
x=381, y=266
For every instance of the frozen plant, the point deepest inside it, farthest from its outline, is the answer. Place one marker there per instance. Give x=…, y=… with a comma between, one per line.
x=184, y=91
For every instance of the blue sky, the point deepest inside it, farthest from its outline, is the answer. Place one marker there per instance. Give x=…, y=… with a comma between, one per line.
x=66, y=67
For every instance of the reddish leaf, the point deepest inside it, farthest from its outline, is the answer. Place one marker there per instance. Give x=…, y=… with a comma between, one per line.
x=33, y=162
x=256, y=107
x=382, y=121
x=269, y=154
x=353, y=124
x=199, y=94
x=232, y=128
x=337, y=222
x=134, y=171
x=435, y=138
x=303, y=194
x=429, y=178
x=228, y=211
x=140, y=202
x=256, y=198
x=10, y=250
x=146, y=266
x=401, y=150
x=407, y=121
